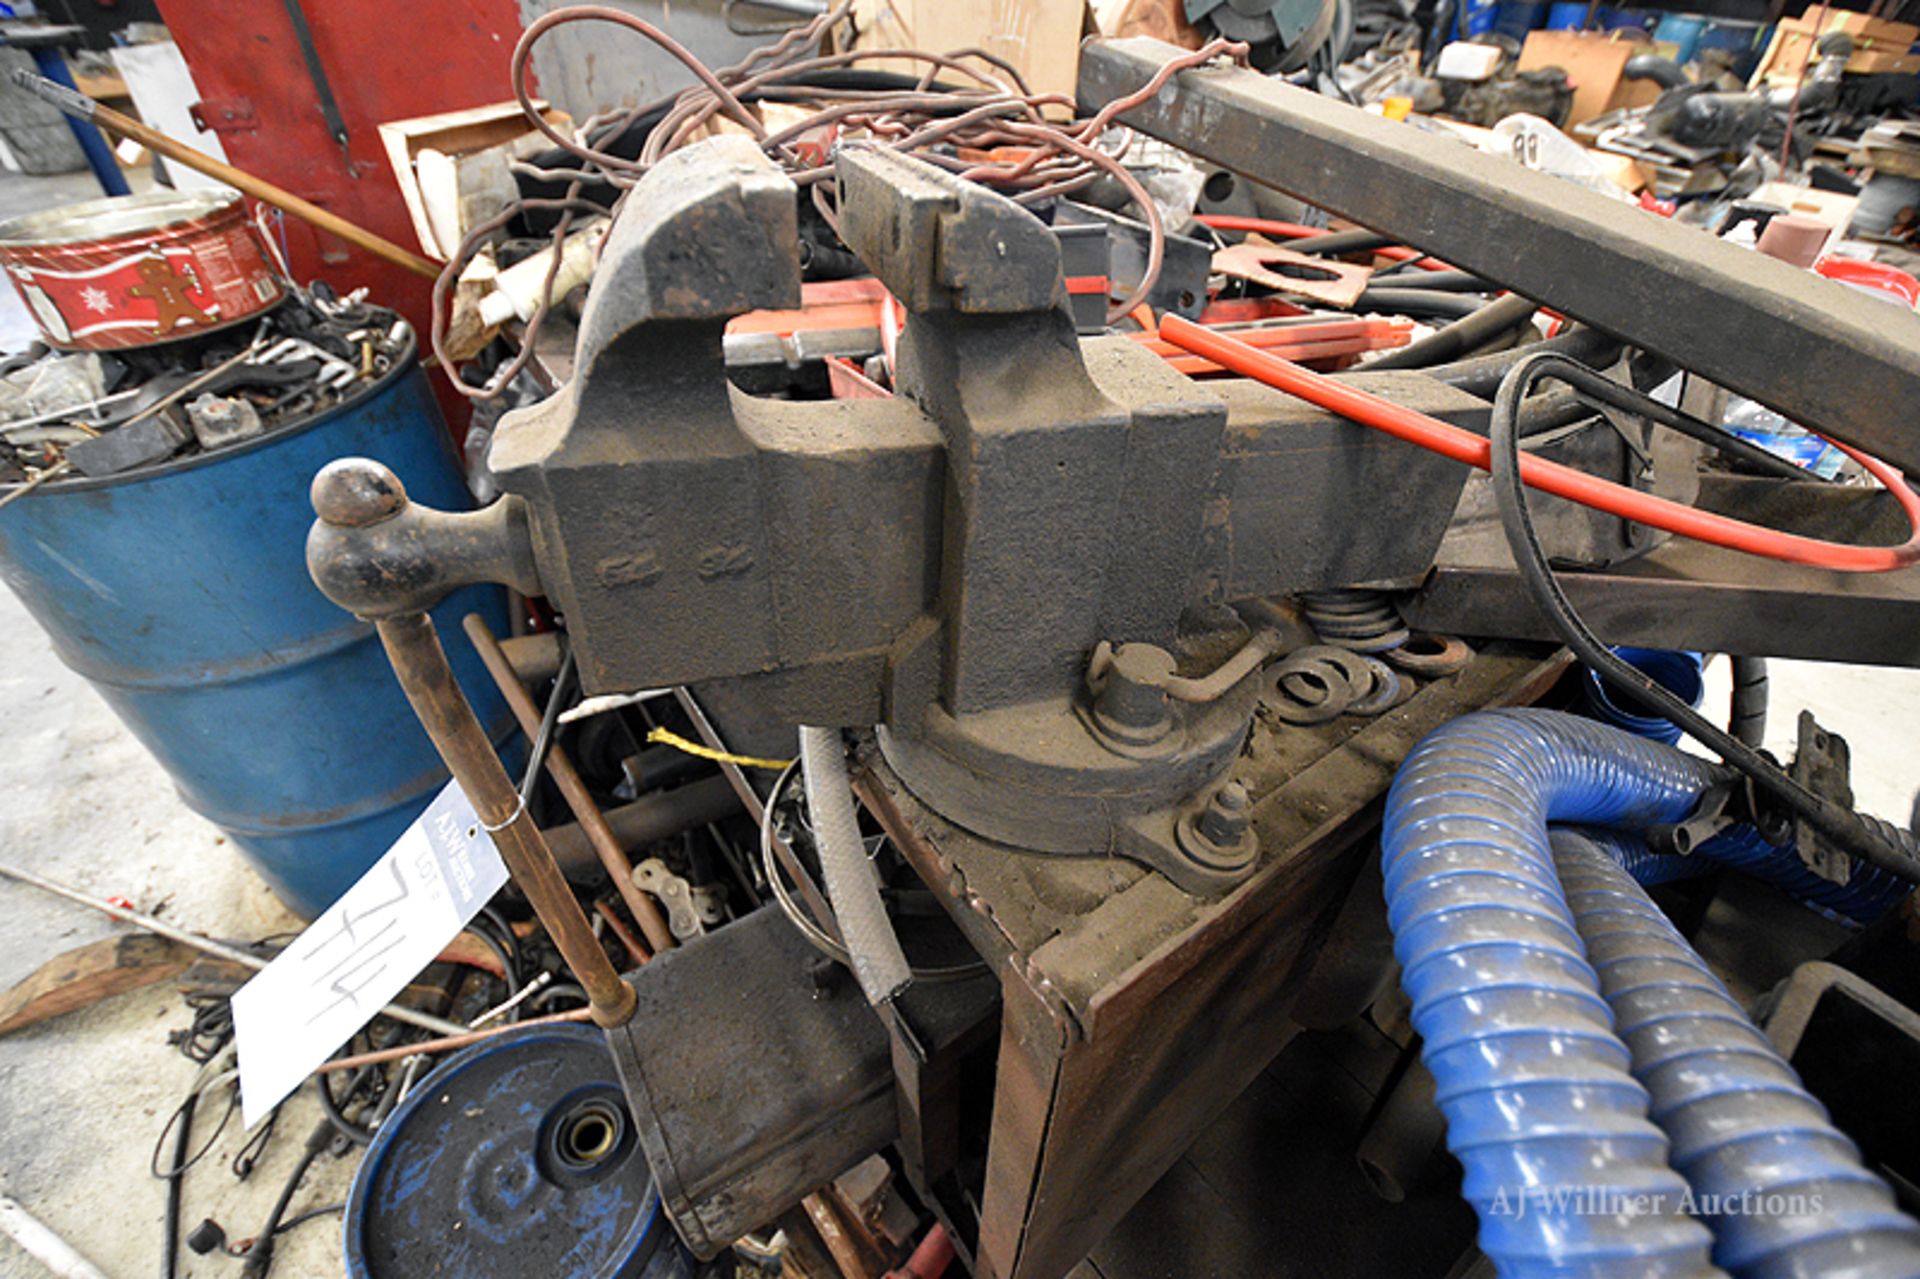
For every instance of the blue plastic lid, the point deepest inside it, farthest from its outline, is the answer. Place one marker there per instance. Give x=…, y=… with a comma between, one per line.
x=516, y=1157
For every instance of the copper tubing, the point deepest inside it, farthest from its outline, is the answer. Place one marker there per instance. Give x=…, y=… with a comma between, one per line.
x=618, y=928
x=645, y=912
x=421, y=665
x=448, y=1044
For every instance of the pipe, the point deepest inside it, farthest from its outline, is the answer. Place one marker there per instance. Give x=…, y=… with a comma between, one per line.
x=420, y=664
x=1748, y=722
x=852, y=887
x=1420, y=303
x=1534, y=1085
x=1746, y=1134
x=1481, y=374
x=572, y=788
x=38, y=1241
x=81, y=107
x=1539, y=473
x=1465, y=335
x=206, y=945
x=655, y=816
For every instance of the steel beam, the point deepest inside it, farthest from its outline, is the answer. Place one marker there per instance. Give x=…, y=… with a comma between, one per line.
x=1689, y=595
x=1825, y=355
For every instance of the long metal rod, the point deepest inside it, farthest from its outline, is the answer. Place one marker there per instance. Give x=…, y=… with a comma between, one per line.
x=219, y=950
x=420, y=664
x=572, y=788
x=447, y=1044
x=82, y=107
x=1828, y=357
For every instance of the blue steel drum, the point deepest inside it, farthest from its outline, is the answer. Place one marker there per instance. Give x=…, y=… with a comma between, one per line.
x=181, y=593
x=516, y=1158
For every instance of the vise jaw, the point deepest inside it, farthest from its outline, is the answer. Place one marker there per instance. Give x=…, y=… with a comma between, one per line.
x=942, y=564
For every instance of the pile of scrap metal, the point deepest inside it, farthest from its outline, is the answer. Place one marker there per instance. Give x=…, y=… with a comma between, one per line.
x=168, y=331
x=1134, y=641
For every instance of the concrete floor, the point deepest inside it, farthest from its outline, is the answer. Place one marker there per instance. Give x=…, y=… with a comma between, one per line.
x=83, y=1098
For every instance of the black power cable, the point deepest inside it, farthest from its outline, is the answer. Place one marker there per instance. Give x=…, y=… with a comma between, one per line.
x=336, y=1114
x=1842, y=825
x=260, y=1255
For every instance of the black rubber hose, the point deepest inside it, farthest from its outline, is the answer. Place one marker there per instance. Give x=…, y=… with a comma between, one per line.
x=1446, y=282
x=170, y=1253
x=1335, y=243
x=1538, y=366
x=1463, y=336
x=1748, y=723
x=1424, y=304
x=1842, y=825
x=260, y=1255
x=336, y=1117
x=1481, y=375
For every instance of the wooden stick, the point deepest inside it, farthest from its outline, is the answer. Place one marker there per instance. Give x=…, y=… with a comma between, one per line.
x=81, y=107
x=572, y=789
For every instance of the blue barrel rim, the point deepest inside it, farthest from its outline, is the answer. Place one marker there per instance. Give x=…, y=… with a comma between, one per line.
x=402, y=365
x=646, y=1237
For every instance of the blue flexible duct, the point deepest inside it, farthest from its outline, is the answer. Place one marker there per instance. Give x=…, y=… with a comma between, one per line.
x=1542, y=1110
x=1868, y=893
x=1782, y=1188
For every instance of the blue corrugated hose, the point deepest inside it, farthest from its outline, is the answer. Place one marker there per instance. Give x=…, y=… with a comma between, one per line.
x=1781, y=1187
x=1563, y=1164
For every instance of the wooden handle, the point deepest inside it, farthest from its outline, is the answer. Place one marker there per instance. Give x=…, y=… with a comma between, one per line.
x=75, y=104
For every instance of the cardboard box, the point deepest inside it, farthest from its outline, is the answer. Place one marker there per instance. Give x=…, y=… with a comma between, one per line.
x=1039, y=37
x=1880, y=47
x=1594, y=61
x=452, y=168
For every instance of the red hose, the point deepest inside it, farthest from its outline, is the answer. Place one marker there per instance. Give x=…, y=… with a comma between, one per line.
x=1551, y=477
x=930, y=1260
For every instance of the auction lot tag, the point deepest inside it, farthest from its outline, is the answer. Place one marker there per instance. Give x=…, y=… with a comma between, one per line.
x=363, y=950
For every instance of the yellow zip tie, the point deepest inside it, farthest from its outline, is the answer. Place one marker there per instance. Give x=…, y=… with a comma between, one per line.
x=680, y=743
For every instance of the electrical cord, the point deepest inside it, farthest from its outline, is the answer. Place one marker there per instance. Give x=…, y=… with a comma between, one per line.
x=1838, y=823
x=1538, y=366
x=170, y=1220
x=1551, y=477
x=816, y=936
x=336, y=1115
x=259, y=1257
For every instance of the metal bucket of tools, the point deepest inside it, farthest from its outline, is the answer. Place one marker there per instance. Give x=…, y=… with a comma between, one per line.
x=180, y=591
x=141, y=269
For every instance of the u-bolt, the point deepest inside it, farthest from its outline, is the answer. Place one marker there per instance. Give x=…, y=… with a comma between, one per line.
x=375, y=554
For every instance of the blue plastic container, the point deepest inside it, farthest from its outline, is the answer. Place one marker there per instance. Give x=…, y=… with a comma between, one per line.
x=1621, y=19
x=1680, y=673
x=1476, y=17
x=1571, y=15
x=1517, y=17
x=1746, y=41
x=181, y=593
x=1682, y=30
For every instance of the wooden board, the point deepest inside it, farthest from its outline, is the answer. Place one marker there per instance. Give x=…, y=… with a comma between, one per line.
x=88, y=974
